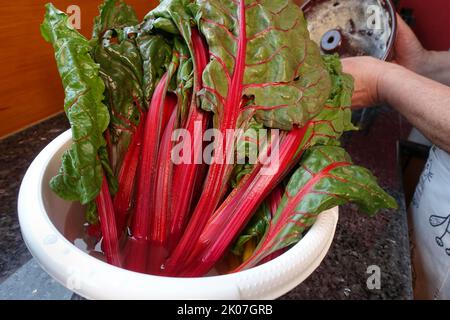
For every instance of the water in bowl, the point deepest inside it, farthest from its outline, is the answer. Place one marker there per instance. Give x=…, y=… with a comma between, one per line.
x=77, y=231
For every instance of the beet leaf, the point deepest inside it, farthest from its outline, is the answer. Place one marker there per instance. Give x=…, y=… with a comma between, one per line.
x=81, y=174
x=326, y=178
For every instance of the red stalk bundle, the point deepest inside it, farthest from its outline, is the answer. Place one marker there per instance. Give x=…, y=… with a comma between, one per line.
x=235, y=212
x=189, y=176
x=163, y=200
x=237, y=209
x=216, y=181
x=127, y=176
x=147, y=177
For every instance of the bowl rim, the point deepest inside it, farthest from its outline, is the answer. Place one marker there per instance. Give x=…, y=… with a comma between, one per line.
x=95, y=279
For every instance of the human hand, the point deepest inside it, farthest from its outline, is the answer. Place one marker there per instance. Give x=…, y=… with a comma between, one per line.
x=367, y=73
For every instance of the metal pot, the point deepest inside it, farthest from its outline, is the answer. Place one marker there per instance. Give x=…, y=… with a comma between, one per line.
x=353, y=27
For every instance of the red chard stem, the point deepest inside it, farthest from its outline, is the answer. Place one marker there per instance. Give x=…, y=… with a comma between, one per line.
x=219, y=173
x=188, y=177
x=163, y=201
x=147, y=173
x=110, y=242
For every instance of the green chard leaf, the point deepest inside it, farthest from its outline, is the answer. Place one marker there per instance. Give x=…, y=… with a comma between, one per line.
x=183, y=82
x=171, y=16
x=114, y=14
x=121, y=70
x=91, y=213
x=171, y=20
x=326, y=178
x=156, y=53
x=254, y=138
x=175, y=18
x=81, y=174
x=132, y=62
x=254, y=230
x=335, y=118
x=284, y=76
x=341, y=84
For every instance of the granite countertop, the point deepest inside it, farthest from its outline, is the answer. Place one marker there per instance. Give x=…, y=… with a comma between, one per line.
x=359, y=242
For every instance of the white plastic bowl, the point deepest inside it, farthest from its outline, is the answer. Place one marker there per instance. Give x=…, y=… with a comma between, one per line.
x=42, y=217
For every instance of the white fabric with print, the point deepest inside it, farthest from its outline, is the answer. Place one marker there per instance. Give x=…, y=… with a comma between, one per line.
x=430, y=211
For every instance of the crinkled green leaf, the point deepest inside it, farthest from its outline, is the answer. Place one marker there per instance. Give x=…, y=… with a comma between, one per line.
x=284, y=75
x=175, y=18
x=183, y=82
x=248, y=146
x=156, y=55
x=239, y=172
x=107, y=170
x=118, y=36
x=335, y=118
x=80, y=176
x=121, y=71
x=114, y=14
x=91, y=213
x=171, y=16
x=341, y=84
x=171, y=20
x=326, y=178
x=255, y=229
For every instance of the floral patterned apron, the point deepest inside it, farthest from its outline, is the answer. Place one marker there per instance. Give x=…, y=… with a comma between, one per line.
x=430, y=222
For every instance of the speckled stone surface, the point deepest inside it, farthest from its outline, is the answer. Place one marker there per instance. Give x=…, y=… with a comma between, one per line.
x=16, y=154
x=359, y=242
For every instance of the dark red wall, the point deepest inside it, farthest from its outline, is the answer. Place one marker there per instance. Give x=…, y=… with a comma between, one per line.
x=432, y=22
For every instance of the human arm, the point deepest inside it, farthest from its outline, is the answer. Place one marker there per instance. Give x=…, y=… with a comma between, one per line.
x=410, y=53
x=424, y=102
x=436, y=66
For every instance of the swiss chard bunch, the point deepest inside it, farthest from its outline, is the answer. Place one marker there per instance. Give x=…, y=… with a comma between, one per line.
x=139, y=92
